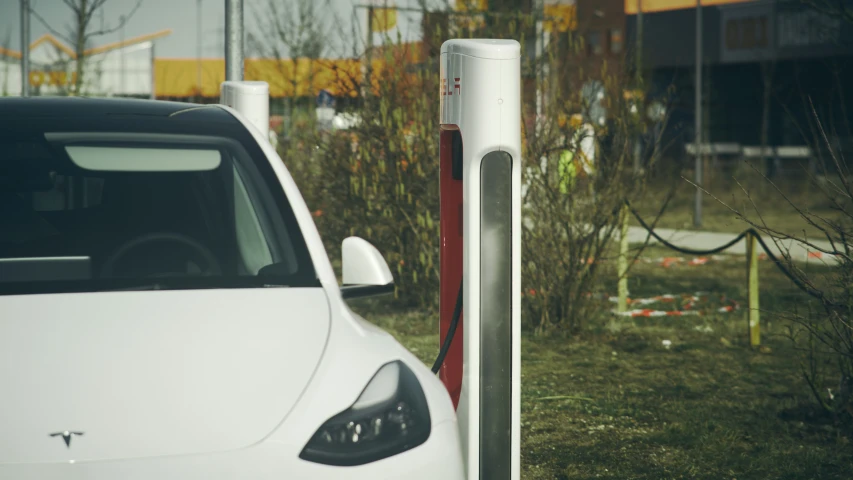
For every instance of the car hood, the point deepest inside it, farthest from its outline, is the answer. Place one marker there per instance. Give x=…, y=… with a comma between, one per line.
x=141, y=374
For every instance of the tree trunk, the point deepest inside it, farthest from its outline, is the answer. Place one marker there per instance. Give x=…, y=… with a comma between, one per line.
x=80, y=44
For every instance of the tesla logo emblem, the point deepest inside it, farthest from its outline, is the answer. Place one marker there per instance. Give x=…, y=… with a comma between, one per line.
x=66, y=435
x=445, y=88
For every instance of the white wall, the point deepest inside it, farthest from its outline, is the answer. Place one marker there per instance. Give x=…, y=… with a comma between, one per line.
x=104, y=73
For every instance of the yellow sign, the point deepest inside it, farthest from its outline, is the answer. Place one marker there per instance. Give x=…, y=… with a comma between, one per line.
x=472, y=5
x=178, y=78
x=560, y=17
x=54, y=79
x=383, y=19
x=474, y=9
x=651, y=6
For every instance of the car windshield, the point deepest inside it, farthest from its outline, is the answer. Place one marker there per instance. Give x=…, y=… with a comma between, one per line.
x=94, y=211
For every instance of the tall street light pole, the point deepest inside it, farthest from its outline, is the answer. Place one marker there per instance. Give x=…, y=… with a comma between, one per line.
x=25, y=48
x=697, y=140
x=198, y=46
x=639, y=38
x=151, y=59
x=234, y=40
x=539, y=63
x=638, y=85
x=122, y=65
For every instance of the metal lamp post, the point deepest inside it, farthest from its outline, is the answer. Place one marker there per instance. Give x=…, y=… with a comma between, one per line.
x=25, y=48
x=697, y=140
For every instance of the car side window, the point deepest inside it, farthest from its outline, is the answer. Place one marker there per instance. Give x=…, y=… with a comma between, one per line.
x=255, y=252
x=254, y=225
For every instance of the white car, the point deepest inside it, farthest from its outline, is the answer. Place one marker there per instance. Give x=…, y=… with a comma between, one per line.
x=167, y=310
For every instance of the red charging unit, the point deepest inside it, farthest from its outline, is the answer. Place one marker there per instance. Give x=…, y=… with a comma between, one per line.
x=450, y=255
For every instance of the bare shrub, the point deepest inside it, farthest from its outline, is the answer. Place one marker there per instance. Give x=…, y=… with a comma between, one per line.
x=569, y=225
x=379, y=179
x=822, y=331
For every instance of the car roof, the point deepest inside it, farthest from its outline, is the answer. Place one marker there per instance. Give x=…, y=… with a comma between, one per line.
x=59, y=106
x=18, y=114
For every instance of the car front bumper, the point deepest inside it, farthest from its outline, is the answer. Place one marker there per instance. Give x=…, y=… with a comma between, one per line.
x=438, y=458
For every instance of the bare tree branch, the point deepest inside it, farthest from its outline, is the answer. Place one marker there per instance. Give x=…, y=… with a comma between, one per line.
x=831, y=8
x=774, y=234
x=51, y=29
x=122, y=22
x=81, y=33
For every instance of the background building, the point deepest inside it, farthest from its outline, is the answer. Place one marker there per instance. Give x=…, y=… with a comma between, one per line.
x=123, y=68
x=763, y=60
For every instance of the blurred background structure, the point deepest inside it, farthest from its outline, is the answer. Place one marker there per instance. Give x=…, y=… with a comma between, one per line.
x=758, y=54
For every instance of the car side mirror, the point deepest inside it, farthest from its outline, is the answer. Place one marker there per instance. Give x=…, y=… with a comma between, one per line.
x=365, y=272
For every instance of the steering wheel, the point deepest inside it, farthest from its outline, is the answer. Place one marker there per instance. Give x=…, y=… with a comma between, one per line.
x=213, y=266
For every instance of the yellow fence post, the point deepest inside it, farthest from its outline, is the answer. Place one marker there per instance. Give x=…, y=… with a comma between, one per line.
x=622, y=306
x=752, y=289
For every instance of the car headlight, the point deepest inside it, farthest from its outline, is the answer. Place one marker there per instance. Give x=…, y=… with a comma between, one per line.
x=389, y=417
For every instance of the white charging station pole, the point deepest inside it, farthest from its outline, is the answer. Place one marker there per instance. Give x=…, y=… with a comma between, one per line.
x=481, y=99
x=250, y=98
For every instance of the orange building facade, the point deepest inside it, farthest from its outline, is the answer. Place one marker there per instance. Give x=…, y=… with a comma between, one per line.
x=129, y=68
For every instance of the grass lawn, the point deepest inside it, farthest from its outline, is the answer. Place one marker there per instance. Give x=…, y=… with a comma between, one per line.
x=615, y=403
x=763, y=204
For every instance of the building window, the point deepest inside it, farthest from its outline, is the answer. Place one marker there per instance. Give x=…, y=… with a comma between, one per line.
x=615, y=40
x=594, y=45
